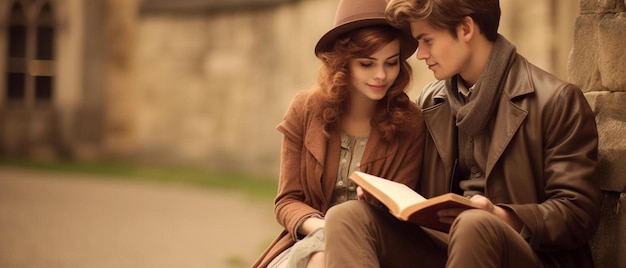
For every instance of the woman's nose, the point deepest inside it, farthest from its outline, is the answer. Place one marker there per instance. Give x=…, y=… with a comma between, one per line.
x=381, y=73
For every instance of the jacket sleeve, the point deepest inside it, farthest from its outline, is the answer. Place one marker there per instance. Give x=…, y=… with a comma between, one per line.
x=430, y=94
x=290, y=208
x=569, y=215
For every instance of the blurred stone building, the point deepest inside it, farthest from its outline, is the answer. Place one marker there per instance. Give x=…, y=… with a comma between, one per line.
x=201, y=82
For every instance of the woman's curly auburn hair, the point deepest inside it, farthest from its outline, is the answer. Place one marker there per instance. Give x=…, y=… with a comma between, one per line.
x=332, y=94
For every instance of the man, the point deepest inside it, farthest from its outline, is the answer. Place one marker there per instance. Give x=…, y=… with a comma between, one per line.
x=519, y=142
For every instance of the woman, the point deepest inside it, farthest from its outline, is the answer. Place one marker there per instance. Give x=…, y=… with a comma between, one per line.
x=357, y=117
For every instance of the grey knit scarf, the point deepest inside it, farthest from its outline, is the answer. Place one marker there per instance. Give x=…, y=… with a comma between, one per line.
x=473, y=116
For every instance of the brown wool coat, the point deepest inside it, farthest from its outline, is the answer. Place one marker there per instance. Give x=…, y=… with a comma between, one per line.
x=310, y=163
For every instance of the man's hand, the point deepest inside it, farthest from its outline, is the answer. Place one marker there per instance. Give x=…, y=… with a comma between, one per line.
x=448, y=215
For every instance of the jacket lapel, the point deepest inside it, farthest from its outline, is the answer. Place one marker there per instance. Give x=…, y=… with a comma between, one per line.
x=443, y=135
x=327, y=162
x=510, y=116
x=508, y=121
x=315, y=141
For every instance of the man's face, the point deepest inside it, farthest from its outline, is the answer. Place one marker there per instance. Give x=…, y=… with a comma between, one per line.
x=444, y=54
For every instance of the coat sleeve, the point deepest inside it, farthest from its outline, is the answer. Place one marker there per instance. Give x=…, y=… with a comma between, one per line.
x=431, y=93
x=569, y=215
x=290, y=207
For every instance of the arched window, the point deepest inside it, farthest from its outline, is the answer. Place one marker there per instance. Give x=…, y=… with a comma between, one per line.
x=30, y=53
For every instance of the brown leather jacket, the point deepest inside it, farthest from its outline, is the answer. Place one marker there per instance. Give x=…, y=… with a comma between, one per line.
x=541, y=162
x=310, y=162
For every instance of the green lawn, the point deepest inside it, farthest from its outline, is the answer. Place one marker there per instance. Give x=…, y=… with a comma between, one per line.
x=254, y=186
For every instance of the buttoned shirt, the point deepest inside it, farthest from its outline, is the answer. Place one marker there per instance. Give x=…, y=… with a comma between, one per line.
x=352, y=149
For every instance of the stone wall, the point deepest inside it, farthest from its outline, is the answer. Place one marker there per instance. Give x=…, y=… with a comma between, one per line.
x=211, y=88
x=598, y=65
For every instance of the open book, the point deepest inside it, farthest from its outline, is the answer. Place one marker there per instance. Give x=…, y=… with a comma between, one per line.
x=408, y=205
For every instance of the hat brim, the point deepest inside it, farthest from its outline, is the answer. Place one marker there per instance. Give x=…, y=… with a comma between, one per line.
x=408, y=44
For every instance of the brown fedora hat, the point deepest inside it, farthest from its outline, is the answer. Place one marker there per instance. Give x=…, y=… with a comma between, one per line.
x=354, y=14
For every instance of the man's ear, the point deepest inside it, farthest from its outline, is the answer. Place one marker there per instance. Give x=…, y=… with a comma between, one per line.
x=467, y=29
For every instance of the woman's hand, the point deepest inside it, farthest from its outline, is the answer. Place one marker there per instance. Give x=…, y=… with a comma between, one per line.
x=360, y=193
x=363, y=195
x=311, y=224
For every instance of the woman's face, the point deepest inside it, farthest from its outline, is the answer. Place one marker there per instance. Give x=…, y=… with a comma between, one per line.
x=372, y=76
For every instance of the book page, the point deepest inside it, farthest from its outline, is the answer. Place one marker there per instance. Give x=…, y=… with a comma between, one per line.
x=402, y=194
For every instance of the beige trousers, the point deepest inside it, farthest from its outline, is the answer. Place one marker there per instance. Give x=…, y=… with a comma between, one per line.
x=361, y=235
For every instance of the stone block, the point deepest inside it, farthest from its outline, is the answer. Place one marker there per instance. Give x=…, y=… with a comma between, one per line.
x=602, y=6
x=611, y=56
x=612, y=173
x=612, y=6
x=609, y=243
x=607, y=4
x=590, y=6
x=583, y=63
x=611, y=121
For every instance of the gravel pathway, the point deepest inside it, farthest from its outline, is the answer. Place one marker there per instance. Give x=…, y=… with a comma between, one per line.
x=58, y=220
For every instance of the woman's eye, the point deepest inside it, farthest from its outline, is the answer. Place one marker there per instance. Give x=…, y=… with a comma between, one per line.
x=392, y=63
x=366, y=64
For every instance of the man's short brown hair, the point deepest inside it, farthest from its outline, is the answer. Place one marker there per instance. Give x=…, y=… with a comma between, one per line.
x=447, y=14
